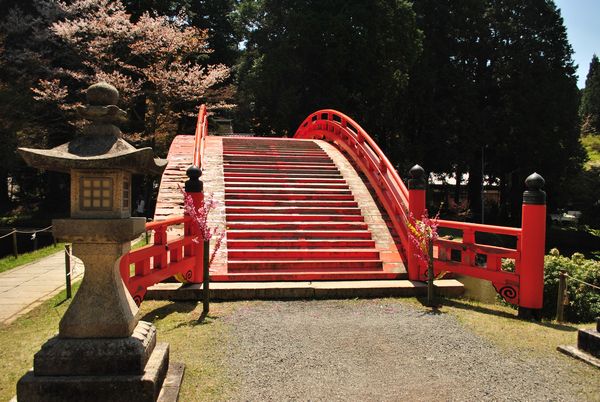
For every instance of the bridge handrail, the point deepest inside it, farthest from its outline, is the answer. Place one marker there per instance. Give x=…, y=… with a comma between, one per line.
x=476, y=227
x=344, y=132
x=199, y=137
x=164, y=258
x=523, y=286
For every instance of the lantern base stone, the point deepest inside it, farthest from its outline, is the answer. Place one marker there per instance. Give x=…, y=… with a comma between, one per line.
x=98, y=369
x=97, y=356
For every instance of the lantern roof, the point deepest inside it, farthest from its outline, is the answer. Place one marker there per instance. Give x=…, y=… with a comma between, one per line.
x=100, y=146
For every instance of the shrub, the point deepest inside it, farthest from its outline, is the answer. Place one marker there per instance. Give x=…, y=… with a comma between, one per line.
x=584, y=301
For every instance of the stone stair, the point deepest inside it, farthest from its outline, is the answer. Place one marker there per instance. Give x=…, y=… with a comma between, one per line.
x=291, y=215
x=588, y=346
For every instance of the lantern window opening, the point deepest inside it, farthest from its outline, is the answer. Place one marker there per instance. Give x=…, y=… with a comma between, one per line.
x=96, y=193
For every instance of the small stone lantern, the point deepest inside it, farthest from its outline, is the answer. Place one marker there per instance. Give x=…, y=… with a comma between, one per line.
x=102, y=352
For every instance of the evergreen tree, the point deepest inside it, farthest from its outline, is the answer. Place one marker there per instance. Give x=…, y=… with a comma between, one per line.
x=496, y=77
x=589, y=110
x=216, y=17
x=305, y=55
x=52, y=51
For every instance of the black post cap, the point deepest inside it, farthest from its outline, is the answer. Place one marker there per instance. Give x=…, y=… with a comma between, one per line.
x=193, y=184
x=534, y=194
x=417, y=180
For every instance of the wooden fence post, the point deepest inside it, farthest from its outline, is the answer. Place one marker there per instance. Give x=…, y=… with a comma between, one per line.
x=560, y=301
x=68, y=269
x=15, y=245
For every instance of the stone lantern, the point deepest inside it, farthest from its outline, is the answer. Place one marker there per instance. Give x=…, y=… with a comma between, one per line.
x=102, y=351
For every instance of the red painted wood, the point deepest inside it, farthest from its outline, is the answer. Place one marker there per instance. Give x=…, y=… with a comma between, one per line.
x=299, y=243
x=295, y=234
x=476, y=260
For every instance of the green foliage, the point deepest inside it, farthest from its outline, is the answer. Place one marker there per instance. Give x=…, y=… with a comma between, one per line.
x=10, y=262
x=591, y=143
x=496, y=75
x=301, y=56
x=589, y=109
x=584, y=301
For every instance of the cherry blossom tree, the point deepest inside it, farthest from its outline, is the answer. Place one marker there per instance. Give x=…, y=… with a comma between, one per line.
x=156, y=62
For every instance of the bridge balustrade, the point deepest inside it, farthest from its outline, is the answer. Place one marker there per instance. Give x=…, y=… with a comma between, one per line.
x=522, y=287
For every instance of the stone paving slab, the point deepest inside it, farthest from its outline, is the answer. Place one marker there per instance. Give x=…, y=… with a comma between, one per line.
x=302, y=290
x=26, y=287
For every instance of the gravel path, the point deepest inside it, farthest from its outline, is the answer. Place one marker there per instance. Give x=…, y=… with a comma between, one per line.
x=380, y=350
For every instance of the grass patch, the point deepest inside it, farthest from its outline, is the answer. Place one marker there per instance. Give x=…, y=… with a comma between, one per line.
x=499, y=324
x=591, y=143
x=20, y=340
x=139, y=243
x=200, y=346
x=11, y=262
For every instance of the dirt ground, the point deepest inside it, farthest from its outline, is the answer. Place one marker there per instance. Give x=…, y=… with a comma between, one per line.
x=379, y=350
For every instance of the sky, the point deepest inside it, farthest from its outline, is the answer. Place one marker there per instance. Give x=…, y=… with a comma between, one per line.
x=583, y=30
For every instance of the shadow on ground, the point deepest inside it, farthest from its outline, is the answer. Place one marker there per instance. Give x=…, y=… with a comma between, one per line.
x=500, y=313
x=168, y=309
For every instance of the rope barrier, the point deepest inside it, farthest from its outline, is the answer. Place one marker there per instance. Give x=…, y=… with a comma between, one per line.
x=75, y=262
x=33, y=231
x=585, y=283
x=8, y=234
x=26, y=231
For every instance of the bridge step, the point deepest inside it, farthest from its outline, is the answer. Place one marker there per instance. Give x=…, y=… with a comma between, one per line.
x=291, y=215
x=302, y=175
x=299, y=244
x=289, y=196
x=291, y=203
x=304, y=254
x=303, y=266
x=294, y=234
x=285, y=185
x=269, y=179
x=341, y=226
x=292, y=210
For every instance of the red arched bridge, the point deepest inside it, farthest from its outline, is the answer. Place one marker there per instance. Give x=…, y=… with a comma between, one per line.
x=324, y=205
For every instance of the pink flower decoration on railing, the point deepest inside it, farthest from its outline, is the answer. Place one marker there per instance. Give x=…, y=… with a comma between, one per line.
x=199, y=217
x=422, y=233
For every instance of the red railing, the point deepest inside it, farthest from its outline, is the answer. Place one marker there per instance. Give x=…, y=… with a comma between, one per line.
x=349, y=137
x=523, y=286
x=180, y=257
x=200, y=136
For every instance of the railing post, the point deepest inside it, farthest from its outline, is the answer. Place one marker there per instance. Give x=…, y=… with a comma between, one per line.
x=416, y=206
x=68, y=269
x=194, y=187
x=560, y=300
x=15, y=243
x=533, y=227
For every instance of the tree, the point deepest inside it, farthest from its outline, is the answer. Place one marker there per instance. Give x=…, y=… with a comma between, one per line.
x=304, y=55
x=496, y=77
x=534, y=122
x=54, y=50
x=216, y=17
x=589, y=109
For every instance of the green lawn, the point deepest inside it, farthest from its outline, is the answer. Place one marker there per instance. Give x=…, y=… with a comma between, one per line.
x=201, y=346
x=591, y=143
x=11, y=262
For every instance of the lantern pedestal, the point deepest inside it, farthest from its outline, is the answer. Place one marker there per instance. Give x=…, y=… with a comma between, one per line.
x=95, y=369
x=102, y=308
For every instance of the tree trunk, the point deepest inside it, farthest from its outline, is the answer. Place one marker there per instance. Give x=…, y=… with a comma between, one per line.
x=4, y=196
x=474, y=188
